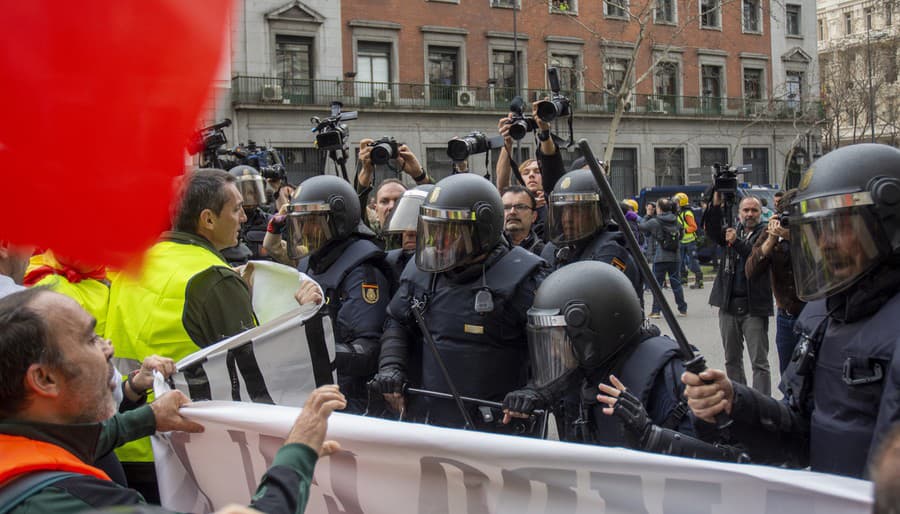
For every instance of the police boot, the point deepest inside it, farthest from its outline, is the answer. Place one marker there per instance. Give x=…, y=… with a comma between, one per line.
x=698, y=284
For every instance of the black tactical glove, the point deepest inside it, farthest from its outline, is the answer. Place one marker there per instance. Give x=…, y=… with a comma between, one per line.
x=388, y=380
x=354, y=359
x=633, y=415
x=525, y=401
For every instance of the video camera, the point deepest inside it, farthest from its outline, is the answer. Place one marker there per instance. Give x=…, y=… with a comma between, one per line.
x=384, y=150
x=208, y=139
x=519, y=124
x=263, y=158
x=725, y=180
x=558, y=105
x=474, y=143
x=331, y=133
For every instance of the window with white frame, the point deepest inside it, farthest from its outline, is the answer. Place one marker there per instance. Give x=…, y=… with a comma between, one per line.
x=615, y=8
x=564, y=6
x=506, y=3
x=567, y=65
x=753, y=83
x=709, y=14
x=614, y=69
x=792, y=16
x=665, y=11
x=848, y=23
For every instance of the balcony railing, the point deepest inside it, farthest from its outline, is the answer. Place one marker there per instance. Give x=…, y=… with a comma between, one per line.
x=273, y=91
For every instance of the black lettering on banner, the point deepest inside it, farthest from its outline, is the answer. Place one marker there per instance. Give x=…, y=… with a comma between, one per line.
x=197, y=382
x=239, y=437
x=344, y=484
x=517, y=489
x=318, y=351
x=433, y=489
x=250, y=372
x=621, y=493
x=691, y=496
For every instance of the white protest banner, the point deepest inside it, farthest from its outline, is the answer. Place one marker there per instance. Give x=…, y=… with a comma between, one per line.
x=273, y=288
x=397, y=468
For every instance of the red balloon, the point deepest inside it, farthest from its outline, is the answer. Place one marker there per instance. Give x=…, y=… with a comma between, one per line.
x=99, y=99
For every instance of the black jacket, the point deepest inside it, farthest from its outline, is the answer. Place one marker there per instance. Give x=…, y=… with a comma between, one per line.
x=759, y=288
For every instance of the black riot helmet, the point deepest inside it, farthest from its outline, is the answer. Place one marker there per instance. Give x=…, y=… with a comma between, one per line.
x=583, y=314
x=845, y=219
x=576, y=209
x=460, y=221
x=324, y=208
x=251, y=185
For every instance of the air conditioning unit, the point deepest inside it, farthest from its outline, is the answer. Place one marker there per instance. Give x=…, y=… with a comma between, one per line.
x=465, y=98
x=759, y=108
x=272, y=93
x=383, y=96
x=656, y=105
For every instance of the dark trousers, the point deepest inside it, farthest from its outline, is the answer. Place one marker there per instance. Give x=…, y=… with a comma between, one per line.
x=785, y=338
x=660, y=270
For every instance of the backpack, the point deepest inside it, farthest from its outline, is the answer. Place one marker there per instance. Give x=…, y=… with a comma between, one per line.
x=670, y=237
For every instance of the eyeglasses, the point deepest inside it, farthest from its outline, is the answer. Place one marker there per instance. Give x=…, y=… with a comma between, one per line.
x=520, y=207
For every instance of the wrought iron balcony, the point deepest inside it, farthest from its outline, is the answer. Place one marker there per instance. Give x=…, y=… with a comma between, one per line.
x=395, y=96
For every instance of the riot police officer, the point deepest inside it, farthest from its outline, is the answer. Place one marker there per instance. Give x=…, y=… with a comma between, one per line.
x=579, y=228
x=324, y=219
x=472, y=291
x=842, y=387
x=250, y=243
x=401, y=223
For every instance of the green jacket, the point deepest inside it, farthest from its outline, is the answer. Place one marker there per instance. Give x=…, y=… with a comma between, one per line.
x=283, y=489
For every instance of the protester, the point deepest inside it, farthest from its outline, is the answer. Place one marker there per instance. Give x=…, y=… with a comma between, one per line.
x=842, y=388
x=689, y=260
x=519, y=216
x=57, y=411
x=745, y=305
x=665, y=230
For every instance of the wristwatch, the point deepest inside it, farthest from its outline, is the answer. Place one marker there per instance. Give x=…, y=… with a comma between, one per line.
x=543, y=135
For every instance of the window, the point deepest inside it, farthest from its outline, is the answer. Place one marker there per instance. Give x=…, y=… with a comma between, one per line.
x=563, y=6
x=443, y=74
x=794, y=86
x=753, y=83
x=293, y=65
x=709, y=14
x=848, y=23
x=821, y=30
x=615, y=68
x=888, y=14
x=751, y=16
x=616, y=8
x=438, y=164
x=504, y=73
x=623, y=172
x=711, y=88
x=758, y=158
x=868, y=18
x=669, y=166
x=506, y=3
x=665, y=11
x=793, y=19
x=568, y=72
x=710, y=156
x=302, y=163
x=666, y=84
x=373, y=68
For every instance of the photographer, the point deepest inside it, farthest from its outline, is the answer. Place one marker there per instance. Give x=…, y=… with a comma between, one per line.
x=529, y=170
x=772, y=253
x=390, y=189
x=744, y=304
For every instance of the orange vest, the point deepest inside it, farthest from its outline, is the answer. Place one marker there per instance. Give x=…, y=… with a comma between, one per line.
x=23, y=455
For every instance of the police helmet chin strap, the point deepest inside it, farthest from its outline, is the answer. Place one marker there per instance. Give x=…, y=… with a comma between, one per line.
x=484, y=300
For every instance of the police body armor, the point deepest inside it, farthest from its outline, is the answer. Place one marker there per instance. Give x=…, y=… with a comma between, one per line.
x=253, y=231
x=607, y=245
x=639, y=373
x=485, y=353
x=397, y=259
x=852, y=368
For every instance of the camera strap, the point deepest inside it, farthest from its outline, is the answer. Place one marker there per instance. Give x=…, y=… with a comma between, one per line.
x=515, y=169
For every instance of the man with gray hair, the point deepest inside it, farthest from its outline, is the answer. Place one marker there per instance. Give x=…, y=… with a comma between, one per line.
x=745, y=305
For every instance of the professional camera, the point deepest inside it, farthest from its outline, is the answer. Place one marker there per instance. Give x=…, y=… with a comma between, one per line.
x=265, y=159
x=384, y=150
x=331, y=133
x=558, y=105
x=519, y=124
x=474, y=143
x=208, y=139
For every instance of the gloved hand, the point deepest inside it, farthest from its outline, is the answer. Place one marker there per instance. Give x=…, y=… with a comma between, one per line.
x=634, y=416
x=388, y=380
x=354, y=360
x=523, y=402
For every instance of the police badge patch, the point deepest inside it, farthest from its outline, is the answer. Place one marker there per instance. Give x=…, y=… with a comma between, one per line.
x=370, y=293
x=619, y=264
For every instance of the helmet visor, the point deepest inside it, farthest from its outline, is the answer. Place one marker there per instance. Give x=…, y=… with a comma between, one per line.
x=307, y=232
x=405, y=215
x=253, y=190
x=832, y=248
x=573, y=217
x=549, y=347
x=442, y=245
